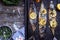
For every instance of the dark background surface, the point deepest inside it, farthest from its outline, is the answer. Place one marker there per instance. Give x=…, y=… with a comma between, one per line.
x=48, y=35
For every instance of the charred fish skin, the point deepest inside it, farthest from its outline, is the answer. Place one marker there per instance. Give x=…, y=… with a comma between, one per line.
x=52, y=18
x=33, y=16
x=42, y=20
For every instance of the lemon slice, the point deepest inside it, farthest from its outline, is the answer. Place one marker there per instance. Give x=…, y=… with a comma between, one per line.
x=53, y=13
x=43, y=11
x=58, y=6
x=33, y=15
x=42, y=22
x=53, y=23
